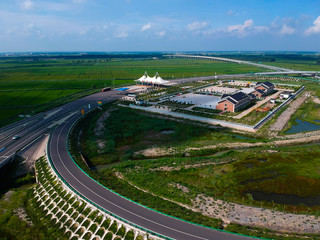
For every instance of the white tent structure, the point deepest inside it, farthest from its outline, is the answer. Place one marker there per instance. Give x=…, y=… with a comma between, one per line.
x=156, y=80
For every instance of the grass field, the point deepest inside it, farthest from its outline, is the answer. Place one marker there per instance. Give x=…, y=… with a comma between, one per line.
x=27, y=83
x=303, y=65
x=291, y=171
x=127, y=131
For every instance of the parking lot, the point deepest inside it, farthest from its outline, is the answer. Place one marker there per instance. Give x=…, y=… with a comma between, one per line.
x=205, y=101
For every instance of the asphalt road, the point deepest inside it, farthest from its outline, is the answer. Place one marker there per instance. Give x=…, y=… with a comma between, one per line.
x=35, y=127
x=134, y=213
x=31, y=128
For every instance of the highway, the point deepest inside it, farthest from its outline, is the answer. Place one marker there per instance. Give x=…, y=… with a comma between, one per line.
x=58, y=122
x=134, y=213
x=31, y=129
x=279, y=69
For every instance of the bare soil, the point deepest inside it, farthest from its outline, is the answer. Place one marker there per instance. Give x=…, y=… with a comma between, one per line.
x=285, y=116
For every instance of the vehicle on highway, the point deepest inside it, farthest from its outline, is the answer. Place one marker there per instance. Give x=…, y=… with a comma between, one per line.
x=15, y=137
x=105, y=89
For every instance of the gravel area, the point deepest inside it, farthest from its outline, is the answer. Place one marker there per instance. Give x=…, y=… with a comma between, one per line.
x=258, y=217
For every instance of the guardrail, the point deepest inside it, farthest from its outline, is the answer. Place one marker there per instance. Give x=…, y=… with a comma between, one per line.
x=112, y=214
x=88, y=200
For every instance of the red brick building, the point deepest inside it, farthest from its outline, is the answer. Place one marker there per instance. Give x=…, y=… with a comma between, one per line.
x=234, y=102
x=266, y=87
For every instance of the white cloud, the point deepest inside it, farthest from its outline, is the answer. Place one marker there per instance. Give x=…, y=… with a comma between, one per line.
x=27, y=5
x=246, y=28
x=122, y=34
x=315, y=29
x=241, y=28
x=146, y=27
x=287, y=30
x=195, y=26
x=161, y=34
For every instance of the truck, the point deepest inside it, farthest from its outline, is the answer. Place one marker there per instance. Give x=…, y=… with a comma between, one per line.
x=105, y=89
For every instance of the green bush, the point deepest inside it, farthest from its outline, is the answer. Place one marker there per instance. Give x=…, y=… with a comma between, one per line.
x=121, y=232
x=114, y=227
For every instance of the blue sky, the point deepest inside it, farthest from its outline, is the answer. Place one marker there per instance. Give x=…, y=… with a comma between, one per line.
x=159, y=25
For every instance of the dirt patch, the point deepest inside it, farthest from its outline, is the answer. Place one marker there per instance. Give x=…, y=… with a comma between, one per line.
x=245, y=215
x=98, y=131
x=316, y=100
x=7, y=195
x=257, y=217
x=296, y=139
x=167, y=169
x=285, y=116
x=101, y=144
x=22, y=215
x=179, y=186
x=155, y=151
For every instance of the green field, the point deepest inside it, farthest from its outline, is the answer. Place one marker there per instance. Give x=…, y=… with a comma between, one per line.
x=128, y=131
x=234, y=176
x=303, y=65
x=27, y=85
x=291, y=171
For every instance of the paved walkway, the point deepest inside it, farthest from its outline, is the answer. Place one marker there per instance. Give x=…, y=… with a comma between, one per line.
x=249, y=110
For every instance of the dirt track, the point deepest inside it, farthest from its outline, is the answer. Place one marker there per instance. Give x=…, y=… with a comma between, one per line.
x=285, y=116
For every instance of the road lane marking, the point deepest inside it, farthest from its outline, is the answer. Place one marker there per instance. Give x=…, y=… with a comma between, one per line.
x=58, y=152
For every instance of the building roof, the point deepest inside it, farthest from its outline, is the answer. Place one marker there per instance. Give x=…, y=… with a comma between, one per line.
x=225, y=95
x=154, y=80
x=266, y=84
x=286, y=92
x=247, y=90
x=234, y=98
x=260, y=91
x=251, y=95
x=239, y=96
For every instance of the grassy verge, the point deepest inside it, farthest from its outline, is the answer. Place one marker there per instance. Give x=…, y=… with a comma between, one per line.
x=288, y=171
x=20, y=218
x=127, y=131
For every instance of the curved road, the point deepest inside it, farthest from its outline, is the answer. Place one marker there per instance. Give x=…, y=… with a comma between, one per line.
x=134, y=213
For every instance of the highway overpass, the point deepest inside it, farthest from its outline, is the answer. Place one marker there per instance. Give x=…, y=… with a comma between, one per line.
x=278, y=69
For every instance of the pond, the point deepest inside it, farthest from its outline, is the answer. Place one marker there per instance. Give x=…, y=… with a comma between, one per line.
x=285, y=199
x=303, y=126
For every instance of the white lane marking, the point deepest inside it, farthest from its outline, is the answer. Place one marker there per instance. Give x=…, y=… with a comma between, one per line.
x=58, y=122
x=113, y=193
x=26, y=140
x=51, y=113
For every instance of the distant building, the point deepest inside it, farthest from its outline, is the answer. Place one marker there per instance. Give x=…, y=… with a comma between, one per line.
x=267, y=87
x=233, y=102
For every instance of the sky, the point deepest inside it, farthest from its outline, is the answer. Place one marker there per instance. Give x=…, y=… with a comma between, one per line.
x=159, y=25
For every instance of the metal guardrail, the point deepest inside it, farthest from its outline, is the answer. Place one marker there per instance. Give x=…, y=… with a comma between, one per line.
x=88, y=200
x=112, y=214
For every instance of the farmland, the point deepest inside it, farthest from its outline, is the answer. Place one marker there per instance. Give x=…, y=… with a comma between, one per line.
x=29, y=85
